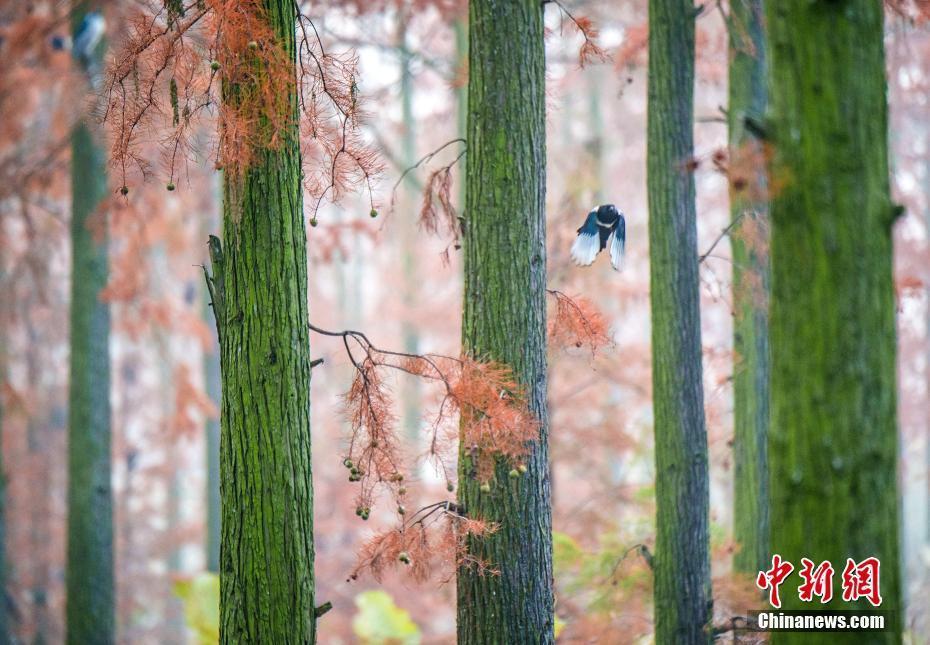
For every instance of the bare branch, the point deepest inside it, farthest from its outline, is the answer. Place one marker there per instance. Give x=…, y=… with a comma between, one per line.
x=723, y=234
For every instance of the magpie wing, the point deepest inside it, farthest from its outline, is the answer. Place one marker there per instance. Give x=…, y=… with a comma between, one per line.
x=617, y=244
x=588, y=243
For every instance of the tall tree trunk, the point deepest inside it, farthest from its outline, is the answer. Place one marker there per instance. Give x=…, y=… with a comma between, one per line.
x=504, y=316
x=460, y=27
x=926, y=528
x=172, y=614
x=595, y=144
x=214, y=391
x=409, y=249
x=266, y=553
x=682, y=558
x=747, y=100
x=90, y=614
x=832, y=442
x=211, y=367
x=5, y=622
x=38, y=441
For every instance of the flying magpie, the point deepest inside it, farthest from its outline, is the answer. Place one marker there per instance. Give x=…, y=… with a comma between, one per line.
x=604, y=227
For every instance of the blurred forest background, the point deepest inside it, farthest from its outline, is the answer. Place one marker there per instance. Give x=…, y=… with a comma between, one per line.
x=402, y=286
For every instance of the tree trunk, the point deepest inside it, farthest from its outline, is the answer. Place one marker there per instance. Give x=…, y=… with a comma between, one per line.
x=90, y=594
x=747, y=100
x=682, y=555
x=408, y=232
x=214, y=390
x=266, y=553
x=832, y=443
x=460, y=27
x=595, y=144
x=38, y=442
x=504, y=316
x=5, y=622
x=211, y=366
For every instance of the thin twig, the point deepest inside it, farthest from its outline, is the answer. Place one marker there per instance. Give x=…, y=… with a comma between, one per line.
x=723, y=234
x=425, y=159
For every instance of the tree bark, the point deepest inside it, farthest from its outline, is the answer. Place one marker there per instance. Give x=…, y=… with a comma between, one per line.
x=682, y=559
x=460, y=27
x=266, y=553
x=408, y=230
x=90, y=614
x=5, y=622
x=833, y=437
x=747, y=100
x=211, y=366
x=504, y=316
x=214, y=390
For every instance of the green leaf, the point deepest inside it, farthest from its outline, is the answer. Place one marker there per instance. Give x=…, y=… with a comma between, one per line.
x=380, y=622
x=565, y=550
x=201, y=598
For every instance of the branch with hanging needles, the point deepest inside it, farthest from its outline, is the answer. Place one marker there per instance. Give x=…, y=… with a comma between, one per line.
x=426, y=159
x=590, y=50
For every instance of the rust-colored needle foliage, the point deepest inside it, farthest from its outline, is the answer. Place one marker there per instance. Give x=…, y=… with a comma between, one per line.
x=494, y=424
x=180, y=65
x=435, y=539
x=483, y=396
x=577, y=323
x=495, y=420
x=917, y=11
x=479, y=401
x=590, y=50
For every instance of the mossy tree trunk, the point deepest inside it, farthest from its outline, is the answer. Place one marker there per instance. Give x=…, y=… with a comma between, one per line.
x=5, y=634
x=682, y=553
x=266, y=552
x=504, y=315
x=211, y=366
x=90, y=614
x=214, y=390
x=833, y=437
x=749, y=242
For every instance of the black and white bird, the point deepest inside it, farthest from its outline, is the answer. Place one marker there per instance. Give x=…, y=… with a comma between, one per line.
x=604, y=228
x=88, y=36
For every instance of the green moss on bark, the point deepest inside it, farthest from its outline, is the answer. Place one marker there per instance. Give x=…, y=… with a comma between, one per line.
x=682, y=558
x=266, y=552
x=504, y=314
x=90, y=616
x=747, y=100
x=833, y=438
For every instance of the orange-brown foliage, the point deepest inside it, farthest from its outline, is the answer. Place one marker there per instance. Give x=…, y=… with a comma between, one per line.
x=590, y=51
x=634, y=46
x=221, y=62
x=479, y=401
x=434, y=540
x=577, y=323
x=496, y=421
x=917, y=11
x=373, y=454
